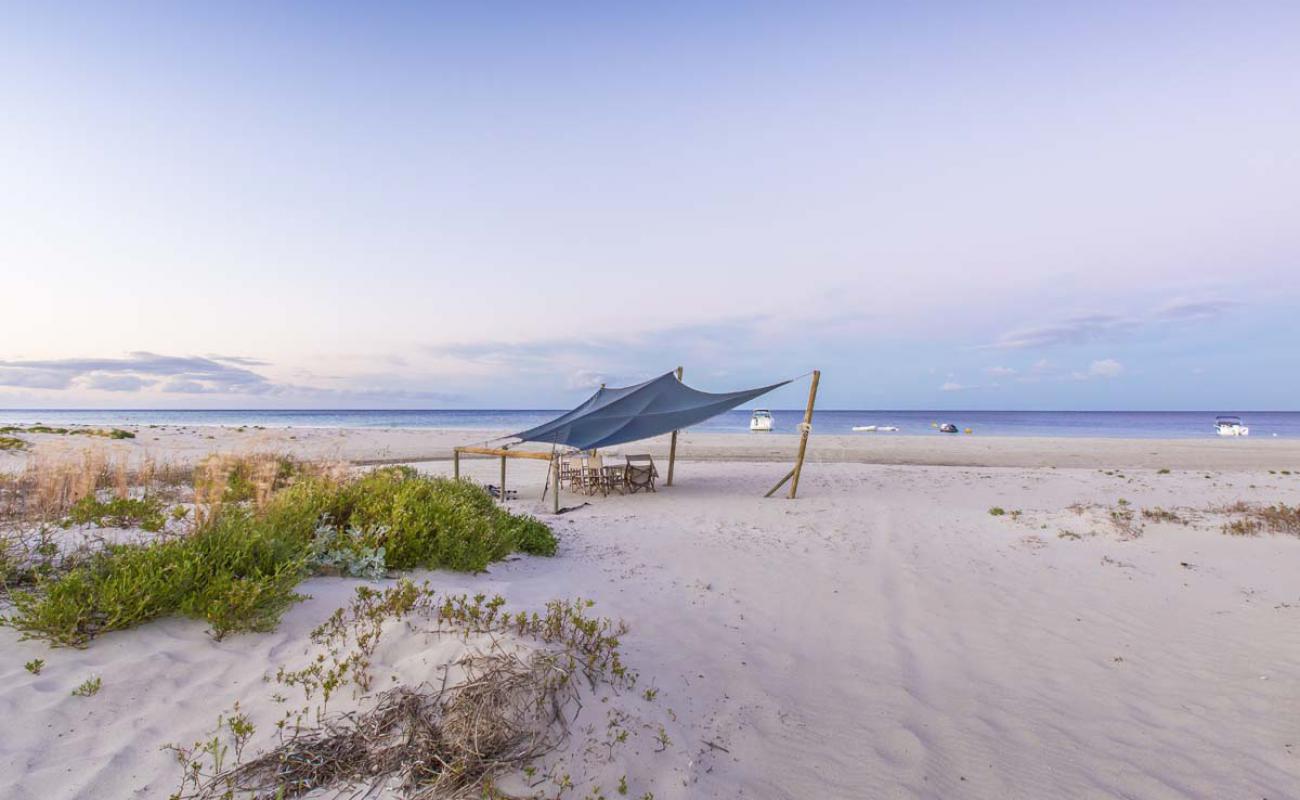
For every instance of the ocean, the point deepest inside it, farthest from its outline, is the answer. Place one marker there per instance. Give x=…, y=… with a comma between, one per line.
x=1105, y=424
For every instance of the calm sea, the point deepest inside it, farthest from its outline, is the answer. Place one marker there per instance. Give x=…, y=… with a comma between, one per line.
x=1110, y=424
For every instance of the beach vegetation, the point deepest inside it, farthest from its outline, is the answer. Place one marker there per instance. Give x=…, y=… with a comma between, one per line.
x=89, y=687
x=997, y=511
x=145, y=513
x=238, y=565
x=453, y=739
x=106, y=433
x=1158, y=514
x=1162, y=471
x=1256, y=519
x=35, y=666
x=12, y=443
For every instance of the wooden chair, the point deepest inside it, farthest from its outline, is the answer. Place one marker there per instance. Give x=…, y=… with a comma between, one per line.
x=570, y=471
x=640, y=473
x=592, y=475
x=616, y=478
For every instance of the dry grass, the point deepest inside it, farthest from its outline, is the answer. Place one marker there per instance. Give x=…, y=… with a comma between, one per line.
x=507, y=709
x=49, y=486
x=434, y=742
x=1255, y=519
x=1158, y=514
x=252, y=477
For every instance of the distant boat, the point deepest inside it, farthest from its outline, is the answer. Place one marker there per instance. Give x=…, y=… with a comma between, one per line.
x=874, y=428
x=947, y=427
x=761, y=421
x=1230, y=426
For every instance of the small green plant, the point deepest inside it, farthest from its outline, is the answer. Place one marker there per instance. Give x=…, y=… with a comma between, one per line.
x=650, y=694
x=35, y=666
x=12, y=443
x=88, y=687
x=622, y=785
x=997, y=511
x=1162, y=471
x=120, y=512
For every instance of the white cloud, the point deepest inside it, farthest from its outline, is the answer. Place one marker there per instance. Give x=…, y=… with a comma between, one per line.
x=1105, y=368
x=1000, y=372
x=954, y=386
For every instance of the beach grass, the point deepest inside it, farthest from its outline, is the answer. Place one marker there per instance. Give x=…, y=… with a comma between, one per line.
x=238, y=565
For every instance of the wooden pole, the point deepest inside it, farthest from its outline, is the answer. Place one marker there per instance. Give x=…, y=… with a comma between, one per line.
x=503, y=479
x=779, y=484
x=455, y=463
x=672, y=448
x=804, y=430
x=555, y=485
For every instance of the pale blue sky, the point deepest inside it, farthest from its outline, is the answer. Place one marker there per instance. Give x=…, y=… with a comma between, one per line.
x=1011, y=206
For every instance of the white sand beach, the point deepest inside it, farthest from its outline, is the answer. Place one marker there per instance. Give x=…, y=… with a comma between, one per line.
x=883, y=636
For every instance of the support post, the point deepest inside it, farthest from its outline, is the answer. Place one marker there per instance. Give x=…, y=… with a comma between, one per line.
x=804, y=430
x=455, y=463
x=503, y=480
x=672, y=448
x=555, y=485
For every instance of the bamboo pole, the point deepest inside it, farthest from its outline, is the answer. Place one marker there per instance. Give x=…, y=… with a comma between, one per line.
x=672, y=448
x=804, y=430
x=780, y=483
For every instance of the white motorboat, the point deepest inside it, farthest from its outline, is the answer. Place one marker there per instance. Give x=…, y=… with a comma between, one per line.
x=761, y=421
x=1230, y=426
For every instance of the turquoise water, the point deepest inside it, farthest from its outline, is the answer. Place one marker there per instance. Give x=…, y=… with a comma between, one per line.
x=1107, y=424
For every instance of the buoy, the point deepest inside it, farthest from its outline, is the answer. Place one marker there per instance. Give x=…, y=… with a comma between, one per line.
x=968, y=430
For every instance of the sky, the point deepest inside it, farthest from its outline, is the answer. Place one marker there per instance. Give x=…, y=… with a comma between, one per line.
x=504, y=205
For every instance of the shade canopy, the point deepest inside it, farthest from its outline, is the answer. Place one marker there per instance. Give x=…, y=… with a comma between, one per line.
x=658, y=406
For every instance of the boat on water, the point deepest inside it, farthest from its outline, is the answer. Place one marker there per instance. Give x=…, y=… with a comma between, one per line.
x=947, y=427
x=1230, y=426
x=761, y=420
x=875, y=428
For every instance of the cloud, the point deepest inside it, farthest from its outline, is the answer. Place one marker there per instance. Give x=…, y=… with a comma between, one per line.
x=109, y=382
x=1098, y=327
x=1181, y=309
x=953, y=386
x=1000, y=372
x=1105, y=368
x=137, y=371
x=1070, y=331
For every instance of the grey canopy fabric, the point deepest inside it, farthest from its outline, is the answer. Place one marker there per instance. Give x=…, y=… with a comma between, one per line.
x=615, y=416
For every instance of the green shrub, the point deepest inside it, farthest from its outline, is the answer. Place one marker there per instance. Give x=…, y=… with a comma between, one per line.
x=12, y=443
x=234, y=574
x=120, y=512
x=417, y=521
x=238, y=570
x=997, y=511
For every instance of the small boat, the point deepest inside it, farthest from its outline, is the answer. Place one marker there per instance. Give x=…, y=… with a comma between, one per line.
x=947, y=427
x=1230, y=426
x=874, y=428
x=761, y=421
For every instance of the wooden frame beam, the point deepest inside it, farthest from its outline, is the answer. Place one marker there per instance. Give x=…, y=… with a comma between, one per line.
x=503, y=453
